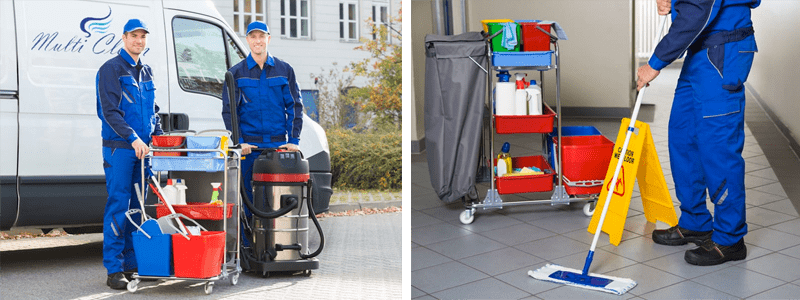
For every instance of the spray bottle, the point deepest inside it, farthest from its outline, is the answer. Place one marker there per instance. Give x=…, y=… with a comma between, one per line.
x=520, y=95
x=534, y=99
x=504, y=161
x=215, y=193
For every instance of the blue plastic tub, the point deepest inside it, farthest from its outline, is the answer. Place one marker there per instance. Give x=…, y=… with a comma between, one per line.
x=567, y=131
x=184, y=163
x=522, y=59
x=203, y=142
x=154, y=254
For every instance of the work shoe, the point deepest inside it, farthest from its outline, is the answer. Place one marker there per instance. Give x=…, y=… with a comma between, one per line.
x=711, y=253
x=117, y=281
x=675, y=236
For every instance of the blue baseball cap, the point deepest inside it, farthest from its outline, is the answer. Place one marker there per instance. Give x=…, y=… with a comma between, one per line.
x=258, y=25
x=135, y=24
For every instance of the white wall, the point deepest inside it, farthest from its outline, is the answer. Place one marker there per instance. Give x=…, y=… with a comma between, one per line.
x=774, y=75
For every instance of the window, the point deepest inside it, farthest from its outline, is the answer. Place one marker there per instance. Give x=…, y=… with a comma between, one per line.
x=235, y=54
x=380, y=15
x=348, y=21
x=296, y=19
x=200, y=56
x=247, y=11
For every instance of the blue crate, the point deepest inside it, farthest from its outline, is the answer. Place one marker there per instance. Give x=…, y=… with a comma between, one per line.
x=154, y=254
x=567, y=131
x=522, y=59
x=203, y=142
x=186, y=163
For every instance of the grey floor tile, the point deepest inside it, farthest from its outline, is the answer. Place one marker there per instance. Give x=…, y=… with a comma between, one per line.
x=572, y=292
x=414, y=245
x=436, y=233
x=584, y=236
x=771, y=239
x=753, y=148
x=759, y=198
x=647, y=278
x=791, y=227
x=602, y=263
x=465, y=246
x=675, y=264
x=775, y=189
x=748, y=154
x=776, y=265
x=531, y=298
x=447, y=213
x=426, y=201
x=517, y=234
x=420, y=219
x=501, y=261
x=640, y=226
x=751, y=181
x=416, y=293
x=767, y=173
x=738, y=281
x=488, y=288
x=444, y=276
x=520, y=279
x=487, y=221
x=553, y=247
x=786, y=291
x=419, y=189
x=422, y=257
x=761, y=160
x=766, y=217
x=425, y=297
x=783, y=206
x=563, y=223
x=641, y=249
x=751, y=166
x=687, y=290
x=753, y=252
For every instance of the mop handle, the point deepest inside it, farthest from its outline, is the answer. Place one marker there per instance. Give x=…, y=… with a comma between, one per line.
x=619, y=162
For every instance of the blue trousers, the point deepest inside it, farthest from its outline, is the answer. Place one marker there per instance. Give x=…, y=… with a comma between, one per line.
x=706, y=137
x=122, y=170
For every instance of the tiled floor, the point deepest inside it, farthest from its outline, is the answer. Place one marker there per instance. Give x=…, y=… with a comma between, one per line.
x=490, y=258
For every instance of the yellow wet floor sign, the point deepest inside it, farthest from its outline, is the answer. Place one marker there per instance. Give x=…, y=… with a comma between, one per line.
x=640, y=164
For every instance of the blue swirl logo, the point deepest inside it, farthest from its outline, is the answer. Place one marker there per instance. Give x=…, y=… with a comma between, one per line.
x=97, y=25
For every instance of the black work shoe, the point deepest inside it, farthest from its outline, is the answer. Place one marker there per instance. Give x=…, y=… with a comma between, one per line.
x=675, y=236
x=117, y=281
x=711, y=253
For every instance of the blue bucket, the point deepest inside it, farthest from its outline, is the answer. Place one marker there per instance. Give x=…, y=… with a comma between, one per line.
x=154, y=254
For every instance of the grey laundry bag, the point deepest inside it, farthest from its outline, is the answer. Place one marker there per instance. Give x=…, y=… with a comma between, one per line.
x=455, y=89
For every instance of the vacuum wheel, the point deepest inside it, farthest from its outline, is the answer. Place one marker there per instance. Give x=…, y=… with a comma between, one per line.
x=588, y=208
x=307, y=273
x=209, y=287
x=467, y=216
x=133, y=285
x=235, y=279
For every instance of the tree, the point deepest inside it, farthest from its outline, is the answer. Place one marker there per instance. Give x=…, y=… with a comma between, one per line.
x=383, y=70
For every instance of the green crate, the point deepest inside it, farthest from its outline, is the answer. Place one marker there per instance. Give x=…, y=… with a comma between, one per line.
x=497, y=41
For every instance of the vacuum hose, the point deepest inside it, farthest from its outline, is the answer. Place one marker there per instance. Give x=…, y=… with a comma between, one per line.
x=316, y=223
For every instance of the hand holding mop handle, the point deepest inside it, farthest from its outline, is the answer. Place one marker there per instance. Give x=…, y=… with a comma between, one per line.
x=613, y=184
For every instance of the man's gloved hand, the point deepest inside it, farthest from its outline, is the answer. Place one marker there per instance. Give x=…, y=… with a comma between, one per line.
x=247, y=148
x=141, y=148
x=290, y=147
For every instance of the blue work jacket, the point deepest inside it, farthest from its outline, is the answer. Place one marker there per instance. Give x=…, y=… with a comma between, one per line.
x=695, y=20
x=268, y=100
x=126, y=102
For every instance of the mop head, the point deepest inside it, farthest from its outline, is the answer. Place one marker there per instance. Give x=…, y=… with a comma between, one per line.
x=559, y=274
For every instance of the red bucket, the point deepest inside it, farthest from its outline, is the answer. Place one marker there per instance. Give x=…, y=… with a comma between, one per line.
x=169, y=142
x=534, y=39
x=200, y=256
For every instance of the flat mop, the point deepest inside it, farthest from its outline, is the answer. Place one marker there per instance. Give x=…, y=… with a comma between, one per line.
x=584, y=279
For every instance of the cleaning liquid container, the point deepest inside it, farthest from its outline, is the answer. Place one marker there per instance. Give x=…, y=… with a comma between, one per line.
x=504, y=95
x=170, y=193
x=504, y=160
x=534, y=99
x=520, y=96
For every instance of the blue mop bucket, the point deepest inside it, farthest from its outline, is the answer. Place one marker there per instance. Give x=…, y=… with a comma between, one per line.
x=153, y=249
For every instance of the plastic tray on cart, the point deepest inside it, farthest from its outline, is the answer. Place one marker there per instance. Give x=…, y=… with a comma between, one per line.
x=526, y=124
x=522, y=59
x=526, y=183
x=586, y=158
x=194, y=210
x=185, y=163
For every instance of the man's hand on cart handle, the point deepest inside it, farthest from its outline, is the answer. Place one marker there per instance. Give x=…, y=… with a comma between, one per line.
x=141, y=148
x=664, y=6
x=290, y=147
x=645, y=75
x=247, y=148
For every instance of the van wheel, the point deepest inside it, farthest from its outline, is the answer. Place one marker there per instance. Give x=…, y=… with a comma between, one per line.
x=46, y=230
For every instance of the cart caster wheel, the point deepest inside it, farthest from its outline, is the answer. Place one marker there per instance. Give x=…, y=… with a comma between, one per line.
x=133, y=285
x=588, y=208
x=467, y=216
x=265, y=275
x=209, y=287
x=307, y=273
x=235, y=279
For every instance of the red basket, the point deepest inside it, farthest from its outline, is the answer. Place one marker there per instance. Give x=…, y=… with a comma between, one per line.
x=533, y=39
x=585, y=158
x=200, y=256
x=169, y=142
x=526, y=124
x=526, y=183
x=195, y=210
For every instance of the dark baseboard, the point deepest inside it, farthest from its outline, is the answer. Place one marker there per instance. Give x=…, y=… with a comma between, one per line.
x=787, y=133
x=418, y=146
x=596, y=112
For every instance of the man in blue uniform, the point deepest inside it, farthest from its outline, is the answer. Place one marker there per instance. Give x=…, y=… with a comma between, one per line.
x=127, y=109
x=269, y=104
x=706, y=126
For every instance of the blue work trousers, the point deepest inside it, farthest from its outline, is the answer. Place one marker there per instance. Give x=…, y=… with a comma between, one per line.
x=122, y=170
x=706, y=137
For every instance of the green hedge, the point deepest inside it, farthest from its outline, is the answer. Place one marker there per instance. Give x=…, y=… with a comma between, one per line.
x=365, y=160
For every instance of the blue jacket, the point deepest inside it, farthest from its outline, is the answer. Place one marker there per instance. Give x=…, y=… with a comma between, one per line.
x=126, y=102
x=694, y=20
x=269, y=104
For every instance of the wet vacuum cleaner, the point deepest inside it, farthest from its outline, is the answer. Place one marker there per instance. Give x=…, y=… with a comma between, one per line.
x=277, y=232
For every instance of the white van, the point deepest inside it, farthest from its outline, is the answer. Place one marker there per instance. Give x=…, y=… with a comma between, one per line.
x=51, y=171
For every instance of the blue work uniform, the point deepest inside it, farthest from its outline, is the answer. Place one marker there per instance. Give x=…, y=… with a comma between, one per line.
x=126, y=106
x=706, y=126
x=269, y=106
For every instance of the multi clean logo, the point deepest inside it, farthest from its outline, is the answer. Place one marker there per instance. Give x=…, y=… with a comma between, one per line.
x=95, y=37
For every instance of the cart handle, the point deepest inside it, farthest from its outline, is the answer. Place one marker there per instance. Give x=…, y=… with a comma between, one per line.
x=223, y=131
x=177, y=215
x=128, y=215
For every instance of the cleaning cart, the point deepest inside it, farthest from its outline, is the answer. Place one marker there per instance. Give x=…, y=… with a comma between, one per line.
x=203, y=256
x=569, y=173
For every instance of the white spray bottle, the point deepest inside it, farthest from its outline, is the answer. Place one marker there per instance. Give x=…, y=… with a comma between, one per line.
x=520, y=95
